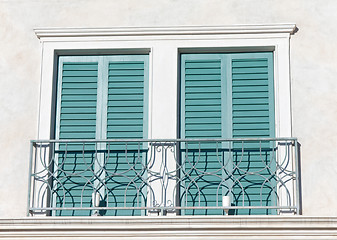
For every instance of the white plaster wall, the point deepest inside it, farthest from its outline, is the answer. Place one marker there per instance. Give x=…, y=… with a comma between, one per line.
x=313, y=69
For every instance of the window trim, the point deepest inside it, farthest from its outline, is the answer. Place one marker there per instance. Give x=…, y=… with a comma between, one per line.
x=164, y=44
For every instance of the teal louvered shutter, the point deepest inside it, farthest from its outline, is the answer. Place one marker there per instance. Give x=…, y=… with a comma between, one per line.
x=253, y=117
x=202, y=103
x=76, y=119
x=126, y=118
x=101, y=97
x=226, y=96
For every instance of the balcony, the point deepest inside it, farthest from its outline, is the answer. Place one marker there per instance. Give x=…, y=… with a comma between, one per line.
x=136, y=177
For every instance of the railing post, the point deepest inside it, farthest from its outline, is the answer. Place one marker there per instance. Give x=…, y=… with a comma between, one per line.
x=297, y=177
x=29, y=176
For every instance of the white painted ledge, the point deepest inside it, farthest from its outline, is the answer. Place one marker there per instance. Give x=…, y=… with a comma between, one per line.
x=209, y=227
x=42, y=33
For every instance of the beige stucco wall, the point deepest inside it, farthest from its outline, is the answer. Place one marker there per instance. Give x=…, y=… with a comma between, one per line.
x=313, y=71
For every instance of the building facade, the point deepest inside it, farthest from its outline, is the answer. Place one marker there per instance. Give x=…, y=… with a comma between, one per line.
x=168, y=120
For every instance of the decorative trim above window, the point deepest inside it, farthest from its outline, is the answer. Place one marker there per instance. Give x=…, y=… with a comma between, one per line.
x=46, y=33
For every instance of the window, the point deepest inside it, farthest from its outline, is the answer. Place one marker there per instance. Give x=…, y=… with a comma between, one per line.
x=229, y=95
x=99, y=97
x=167, y=107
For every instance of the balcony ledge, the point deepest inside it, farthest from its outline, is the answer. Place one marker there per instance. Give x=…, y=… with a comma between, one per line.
x=196, y=227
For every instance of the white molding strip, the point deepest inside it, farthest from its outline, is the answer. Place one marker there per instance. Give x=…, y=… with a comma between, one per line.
x=42, y=33
x=197, y=227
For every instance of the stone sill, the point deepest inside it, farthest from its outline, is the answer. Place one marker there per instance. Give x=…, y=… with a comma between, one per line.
x=182, y=227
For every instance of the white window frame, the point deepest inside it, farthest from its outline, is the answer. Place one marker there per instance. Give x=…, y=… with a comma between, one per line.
x=164, y=44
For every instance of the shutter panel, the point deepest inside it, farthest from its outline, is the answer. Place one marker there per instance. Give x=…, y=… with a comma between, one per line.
x=77, y=98
x=126, y=118
x=201, y=113
x=253, y=117
x=227, y=96
x=101, y=97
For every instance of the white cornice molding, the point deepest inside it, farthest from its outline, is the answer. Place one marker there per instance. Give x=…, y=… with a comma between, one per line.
x=42, y=33
x=183, y=227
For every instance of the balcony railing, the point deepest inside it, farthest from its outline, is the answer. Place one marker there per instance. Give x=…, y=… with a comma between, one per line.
x=164, y=177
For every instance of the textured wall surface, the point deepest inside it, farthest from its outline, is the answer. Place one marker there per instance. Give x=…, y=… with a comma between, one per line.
x=313, y=72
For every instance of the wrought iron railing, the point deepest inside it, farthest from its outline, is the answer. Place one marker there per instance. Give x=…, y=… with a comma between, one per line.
x=162, y=177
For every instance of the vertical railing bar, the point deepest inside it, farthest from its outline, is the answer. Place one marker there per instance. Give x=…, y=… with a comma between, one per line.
x=138, y=159
x=86, y=166
x=64, y=161
x=178, y=180
x=291, y=163
x=242, y=156
x=126, y=159
x=41, y=162
x=106, y=159
x=30, y=177
x=296, y=178
x=96, y=179
x=217, y=191
x=50, y=171
x=199, y=194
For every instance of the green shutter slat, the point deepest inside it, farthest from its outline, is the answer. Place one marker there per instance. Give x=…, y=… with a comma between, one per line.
x=198, y=102
x=127, y=128
x=249, y=107
x=125, y=91
x=79, y=109
x=199, y=92
x=200, y=95
x=126, y=122
x=65, y=122
x=125, y=97
x=249, y=95
x=251, y=76
x=249, y=63
x=253, y=88
x=203, y=71
x=199, y=115
x=248, y=70
x=131, y=84
x=251, y=125
x=127, y=72
x=78, y=104
x=200, y=65
x=79, y=73
x=205, y=120
x=198, y=126
x=120, y=78
x=244, y=101
x=202, y=77
x=79, y=97
x=84, y=79
x=128, y=65
x=128, y=109
x=79, y=91
x=74, y=85
x=204, y=108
